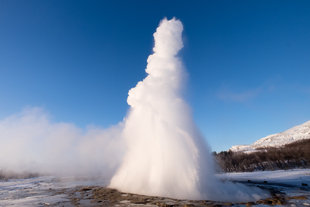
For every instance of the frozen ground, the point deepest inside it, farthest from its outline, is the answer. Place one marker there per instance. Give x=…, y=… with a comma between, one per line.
x=292, y=183
x=293, y=177
x=41, y=191
x=51, y=191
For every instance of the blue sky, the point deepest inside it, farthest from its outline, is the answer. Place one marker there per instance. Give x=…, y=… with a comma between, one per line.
x=248, y=62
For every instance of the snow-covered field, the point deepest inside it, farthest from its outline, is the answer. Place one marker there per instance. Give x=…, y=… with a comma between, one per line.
x=292, y=183
x=51, y=191
x=294, y=177
x=41, y=191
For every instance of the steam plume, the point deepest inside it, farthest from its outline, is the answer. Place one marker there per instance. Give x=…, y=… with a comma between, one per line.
x=165, y=151
x=166, y=154
x=30, y=142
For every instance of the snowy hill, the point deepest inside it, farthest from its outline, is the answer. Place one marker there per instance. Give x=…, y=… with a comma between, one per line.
x=291, y=135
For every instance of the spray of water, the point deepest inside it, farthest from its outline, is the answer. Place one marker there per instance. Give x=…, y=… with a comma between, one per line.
x=156, y=150
x=166, y=154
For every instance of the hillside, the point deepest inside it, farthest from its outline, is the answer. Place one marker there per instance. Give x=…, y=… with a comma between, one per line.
x=297, y=133
x=289, y=156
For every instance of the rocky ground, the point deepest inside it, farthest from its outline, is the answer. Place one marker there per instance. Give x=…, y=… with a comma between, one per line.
x=101, y=196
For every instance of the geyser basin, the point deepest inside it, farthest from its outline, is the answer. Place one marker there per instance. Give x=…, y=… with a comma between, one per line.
x=166, y=155
x=157, y=149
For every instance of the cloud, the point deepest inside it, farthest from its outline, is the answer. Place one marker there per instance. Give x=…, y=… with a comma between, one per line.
x=230, y=94
x=306, y=90
x=227, y=94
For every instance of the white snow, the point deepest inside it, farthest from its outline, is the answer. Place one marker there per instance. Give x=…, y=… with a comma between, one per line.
x=296, y=133
x=295, y=176
x=36, y=191
x=288, y=182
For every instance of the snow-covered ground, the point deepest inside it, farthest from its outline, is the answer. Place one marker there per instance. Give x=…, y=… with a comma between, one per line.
x=51, y=191
x=296, y=176
x=292, y=183
x=41, y=191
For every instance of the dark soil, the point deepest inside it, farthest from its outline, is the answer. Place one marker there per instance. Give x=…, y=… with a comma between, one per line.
x=102, y=196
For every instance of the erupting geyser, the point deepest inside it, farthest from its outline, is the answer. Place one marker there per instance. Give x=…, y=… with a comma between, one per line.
x=166, y=155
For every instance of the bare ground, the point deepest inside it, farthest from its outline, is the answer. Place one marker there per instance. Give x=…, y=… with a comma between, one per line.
x=102, y=196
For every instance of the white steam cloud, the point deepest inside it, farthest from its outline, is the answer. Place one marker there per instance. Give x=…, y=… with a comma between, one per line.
x=156, y=150
x=30, y=142
x=166, y=155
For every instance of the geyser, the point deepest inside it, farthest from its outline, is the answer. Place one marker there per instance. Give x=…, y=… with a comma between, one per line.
x=166, y=155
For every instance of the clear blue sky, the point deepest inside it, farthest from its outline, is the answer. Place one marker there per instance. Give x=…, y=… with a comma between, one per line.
x=248, y=62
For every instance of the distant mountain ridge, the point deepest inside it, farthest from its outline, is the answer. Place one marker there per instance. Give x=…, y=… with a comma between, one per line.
x=297, y=133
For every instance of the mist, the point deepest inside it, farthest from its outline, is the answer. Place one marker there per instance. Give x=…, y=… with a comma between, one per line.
x=156, y=150
x=31, y=142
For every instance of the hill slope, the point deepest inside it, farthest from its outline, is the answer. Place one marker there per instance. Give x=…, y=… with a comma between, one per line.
x=289, y=156
x=297, y=133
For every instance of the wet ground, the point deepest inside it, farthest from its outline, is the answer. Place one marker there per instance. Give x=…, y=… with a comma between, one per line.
x=287, y=188
x=100, y=196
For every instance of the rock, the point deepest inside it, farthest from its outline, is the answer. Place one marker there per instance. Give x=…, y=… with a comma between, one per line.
x=298, y=197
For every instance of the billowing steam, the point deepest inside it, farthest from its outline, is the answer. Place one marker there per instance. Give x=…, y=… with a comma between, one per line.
x=166, y=155
x=156, y=150
x=30, y=142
